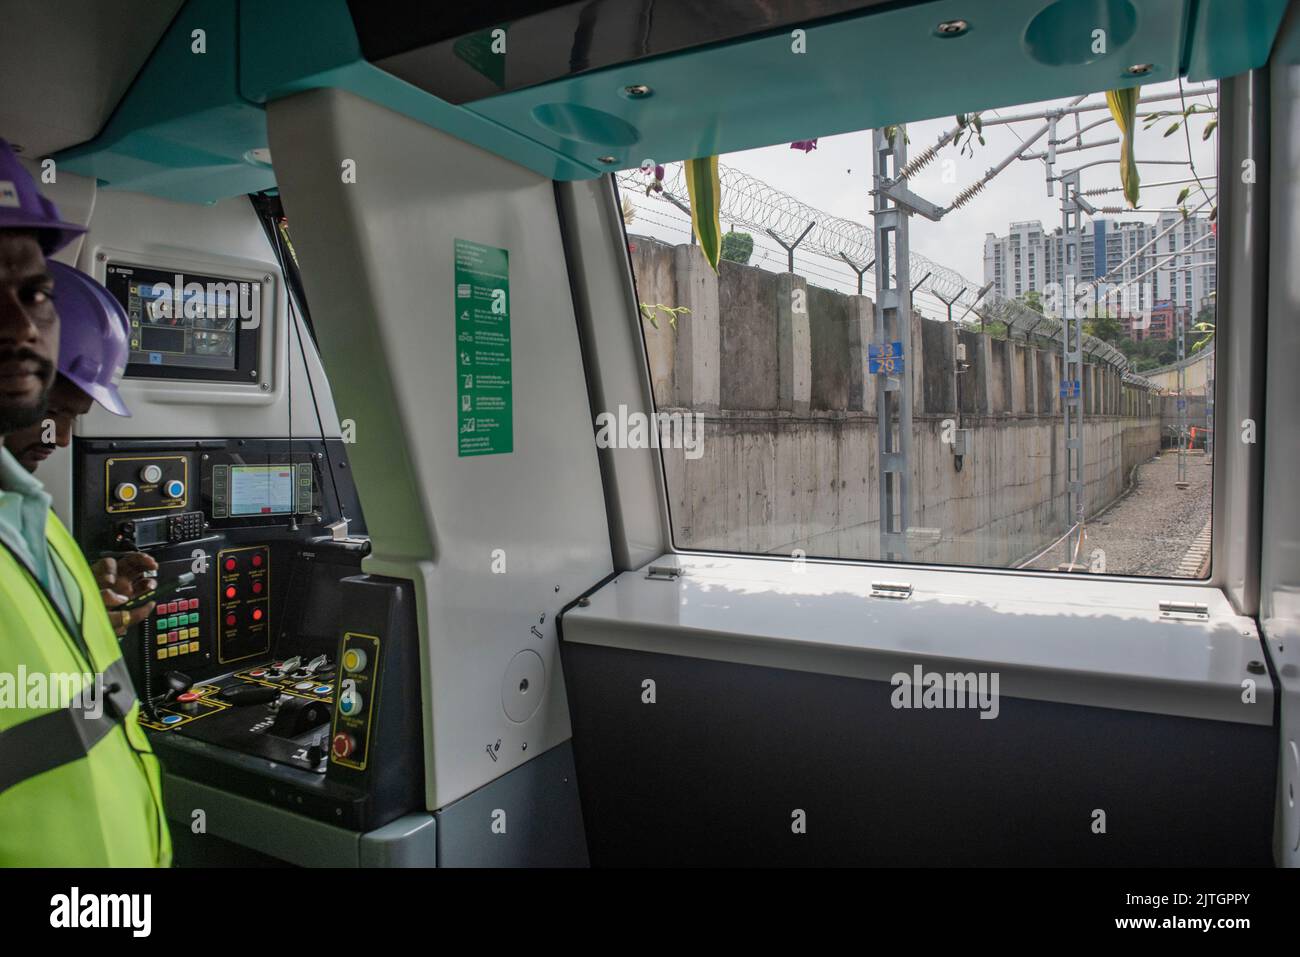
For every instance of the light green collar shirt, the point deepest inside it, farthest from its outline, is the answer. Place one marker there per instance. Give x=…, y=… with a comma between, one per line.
x=24, y=509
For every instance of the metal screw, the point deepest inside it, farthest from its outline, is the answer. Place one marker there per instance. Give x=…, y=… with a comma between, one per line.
x=637, y=91
x=266, y=278
x=253, y=374
x=1256, y=668
x=952, y=28
x=584, y=602
x=607, y=160
x=266, y=387
x=100, y=257
x=1140, y=69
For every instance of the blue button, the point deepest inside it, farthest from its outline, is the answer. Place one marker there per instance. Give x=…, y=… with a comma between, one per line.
x=171, y=719
x=323, y=689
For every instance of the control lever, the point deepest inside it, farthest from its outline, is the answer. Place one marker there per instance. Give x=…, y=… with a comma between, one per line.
x=298, y=716
x=250, y=695
x=177, y=683
x=290, y=665
x=315, y=663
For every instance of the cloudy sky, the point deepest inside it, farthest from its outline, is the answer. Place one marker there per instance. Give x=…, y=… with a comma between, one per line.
x=836, y=177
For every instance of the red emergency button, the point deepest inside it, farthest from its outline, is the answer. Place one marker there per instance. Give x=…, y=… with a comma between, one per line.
x=230, y=564
x=257, y=561
x=344, y=744
x=257, y=614
x=257, y=588
x=230, y=591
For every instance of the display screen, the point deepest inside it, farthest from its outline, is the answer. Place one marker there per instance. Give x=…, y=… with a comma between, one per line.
x=261, y=490
x=184, y=321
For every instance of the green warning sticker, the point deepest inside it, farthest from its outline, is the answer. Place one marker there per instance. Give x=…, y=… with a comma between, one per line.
x=484, y=421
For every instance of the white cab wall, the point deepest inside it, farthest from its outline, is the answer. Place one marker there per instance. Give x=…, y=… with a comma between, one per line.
x=222, y=239
x=377, y=261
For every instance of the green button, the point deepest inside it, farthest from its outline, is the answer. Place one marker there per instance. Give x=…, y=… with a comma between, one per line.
x=193, y=618
x=173, y=621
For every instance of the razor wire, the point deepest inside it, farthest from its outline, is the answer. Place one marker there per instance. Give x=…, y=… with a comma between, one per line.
x=753, y=204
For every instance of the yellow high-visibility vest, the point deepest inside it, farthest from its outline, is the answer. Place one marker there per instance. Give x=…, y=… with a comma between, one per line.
x=77, y=788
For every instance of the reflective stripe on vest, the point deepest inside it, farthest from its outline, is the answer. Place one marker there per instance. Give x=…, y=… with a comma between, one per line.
x=56, y=738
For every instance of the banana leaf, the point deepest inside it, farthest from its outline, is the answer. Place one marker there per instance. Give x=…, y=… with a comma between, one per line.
x=1123, y=107
x=706, y=206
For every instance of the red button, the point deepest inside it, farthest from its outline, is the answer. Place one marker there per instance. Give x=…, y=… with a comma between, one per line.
x=257, y=561
x=230, y=621
x=230, y=564
x=257, y=588
x=187, y=696
x=171, y=607
x=173, y=636
x=343, y=744
x=230, y=591
x=257, y=672
x=257, y=614
x=193, y=604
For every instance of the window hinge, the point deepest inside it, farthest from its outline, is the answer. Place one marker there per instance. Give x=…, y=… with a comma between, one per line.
x=664, y=573
x=1184, y=611
x=899, y=590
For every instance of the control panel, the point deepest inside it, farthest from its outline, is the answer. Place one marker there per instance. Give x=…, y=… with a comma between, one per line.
x=243, y=602
x=145, y=483
x=271, y=664
x=180, y=631
x=350, y=740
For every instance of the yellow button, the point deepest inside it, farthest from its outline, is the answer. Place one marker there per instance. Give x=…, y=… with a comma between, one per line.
x=354, y=659
x=162, y=652
x=194, y=646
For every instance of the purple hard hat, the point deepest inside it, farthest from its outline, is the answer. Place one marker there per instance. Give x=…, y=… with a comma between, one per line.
x=93, y=337
x=23, y=207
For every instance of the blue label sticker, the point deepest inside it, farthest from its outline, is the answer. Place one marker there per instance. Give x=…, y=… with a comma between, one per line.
x=887, y=359
x=155, y=358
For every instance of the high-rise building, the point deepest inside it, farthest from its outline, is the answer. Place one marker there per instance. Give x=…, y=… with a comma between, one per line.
x=1016, y=262
x=1029, y=257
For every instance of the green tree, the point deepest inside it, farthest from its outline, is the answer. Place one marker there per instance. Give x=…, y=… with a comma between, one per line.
x=1106, y=328
x=1034, y=300
x=737, y=247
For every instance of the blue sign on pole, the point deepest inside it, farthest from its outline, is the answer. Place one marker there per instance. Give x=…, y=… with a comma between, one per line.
x=886, y=359
x=1069, y=389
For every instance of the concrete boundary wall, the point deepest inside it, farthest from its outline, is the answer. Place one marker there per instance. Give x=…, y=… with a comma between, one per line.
x=789, y=453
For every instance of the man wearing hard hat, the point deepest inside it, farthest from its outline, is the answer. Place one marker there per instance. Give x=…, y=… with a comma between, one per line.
x=93, y=349
x=79, y=785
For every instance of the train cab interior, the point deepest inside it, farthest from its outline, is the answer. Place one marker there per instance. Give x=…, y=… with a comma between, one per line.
x=399, y=275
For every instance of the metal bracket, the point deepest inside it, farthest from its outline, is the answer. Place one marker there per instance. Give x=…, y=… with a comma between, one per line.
x=339, y=530
x=897, y=191
x=897, y=590
x=1184, y=611
x=664, y=573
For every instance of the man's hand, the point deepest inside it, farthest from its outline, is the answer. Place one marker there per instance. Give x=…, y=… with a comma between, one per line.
x=120, y=580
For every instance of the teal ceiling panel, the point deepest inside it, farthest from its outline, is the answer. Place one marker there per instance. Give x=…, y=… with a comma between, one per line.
x=1231, y=36
x=182, y=131
x=192, y=127
x=856, y=72
x=288, y=46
